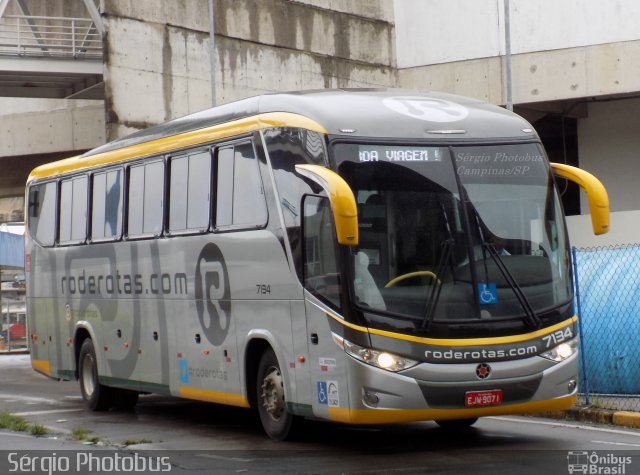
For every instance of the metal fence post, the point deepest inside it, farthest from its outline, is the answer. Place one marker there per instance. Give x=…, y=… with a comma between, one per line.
x=582, y=355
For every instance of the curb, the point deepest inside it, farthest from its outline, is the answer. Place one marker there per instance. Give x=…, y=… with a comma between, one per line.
x=14, y=352
x=598, y=416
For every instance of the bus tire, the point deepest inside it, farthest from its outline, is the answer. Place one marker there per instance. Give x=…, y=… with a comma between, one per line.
x=453, y=424
x=276, y=421
x=125, y=399
x=98, y=396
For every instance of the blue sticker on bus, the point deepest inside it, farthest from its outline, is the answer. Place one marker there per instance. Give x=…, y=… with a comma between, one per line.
x=184, y=371
x=487, y=293
x=322, y=392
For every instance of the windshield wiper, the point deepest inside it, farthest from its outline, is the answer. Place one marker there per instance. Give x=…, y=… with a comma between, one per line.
x=532, y=319
x=432, y=301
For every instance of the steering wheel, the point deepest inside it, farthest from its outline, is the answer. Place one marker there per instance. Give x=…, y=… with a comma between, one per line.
x=410, y=275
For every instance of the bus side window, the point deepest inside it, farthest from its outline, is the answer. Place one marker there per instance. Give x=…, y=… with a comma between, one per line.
x=190, y=192
x=106, y=208
x=73, y=210
x=321, y=275
x=42, y=213
x=146, y=197
x=240, y=194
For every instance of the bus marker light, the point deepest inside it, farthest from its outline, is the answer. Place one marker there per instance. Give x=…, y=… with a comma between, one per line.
x=301, y=359
x=125, y=345
x=205, y=352
x=106, y=348
x=179, y=355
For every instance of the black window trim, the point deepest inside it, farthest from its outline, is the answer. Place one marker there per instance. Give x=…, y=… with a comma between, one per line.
x=56, y=211
x=118, y=237
x=144, y=162
x=73, y=242
x=210, y=149
x=227, y=228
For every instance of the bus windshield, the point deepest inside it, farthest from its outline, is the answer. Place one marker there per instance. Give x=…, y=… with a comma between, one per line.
x=455, y=235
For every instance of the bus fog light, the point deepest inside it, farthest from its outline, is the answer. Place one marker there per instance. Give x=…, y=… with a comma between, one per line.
x=562, y=351
x=572, y=385
x=379, y=359
x=370, y=398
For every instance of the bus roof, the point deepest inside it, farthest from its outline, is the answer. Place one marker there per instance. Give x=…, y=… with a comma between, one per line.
x=373, y=113
x=369, y=112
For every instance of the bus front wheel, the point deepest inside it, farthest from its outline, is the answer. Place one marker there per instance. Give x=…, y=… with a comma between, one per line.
x=276, y=420
x=452, y=424
x=98, y=396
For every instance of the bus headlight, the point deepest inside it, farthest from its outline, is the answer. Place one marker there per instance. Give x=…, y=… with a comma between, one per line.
x=562, y=351
x=379, y=359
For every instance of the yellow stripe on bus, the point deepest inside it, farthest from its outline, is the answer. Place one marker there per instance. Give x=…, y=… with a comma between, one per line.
x=214, y=396
x=462, y=341
x=178, y=141
x=42, y=366
x=388, y=416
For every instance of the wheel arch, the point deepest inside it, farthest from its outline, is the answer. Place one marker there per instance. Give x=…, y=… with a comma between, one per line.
x=83, y=331
x=257, y=343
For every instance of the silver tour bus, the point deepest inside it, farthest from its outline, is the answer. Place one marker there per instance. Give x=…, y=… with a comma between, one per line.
x=365, y=257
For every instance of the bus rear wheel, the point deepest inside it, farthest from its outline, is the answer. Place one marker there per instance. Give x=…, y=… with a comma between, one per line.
x=276, y=421
x=98, y=396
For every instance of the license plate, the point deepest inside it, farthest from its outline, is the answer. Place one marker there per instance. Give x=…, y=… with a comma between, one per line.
x=483, y=398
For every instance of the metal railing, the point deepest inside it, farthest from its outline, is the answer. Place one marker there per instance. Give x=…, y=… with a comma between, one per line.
x=41, y=36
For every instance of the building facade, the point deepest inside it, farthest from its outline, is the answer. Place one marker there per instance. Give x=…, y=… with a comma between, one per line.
x=574, y=73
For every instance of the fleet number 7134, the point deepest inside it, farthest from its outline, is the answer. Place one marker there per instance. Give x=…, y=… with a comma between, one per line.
x=557, y=337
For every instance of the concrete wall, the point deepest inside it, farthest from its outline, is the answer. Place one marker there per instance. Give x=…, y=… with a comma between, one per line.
x=157, y=59
x=51, y=8
x=587, y=71
x=625, y=229
x=561, y=50
x=459, y=30
x=609, y=147
x=77, y=127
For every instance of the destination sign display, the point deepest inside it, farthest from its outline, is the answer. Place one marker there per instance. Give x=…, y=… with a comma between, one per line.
x=393, y=153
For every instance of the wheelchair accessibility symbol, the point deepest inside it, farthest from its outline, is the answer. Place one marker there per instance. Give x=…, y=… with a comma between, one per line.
x=487, y=293
x=322, y=392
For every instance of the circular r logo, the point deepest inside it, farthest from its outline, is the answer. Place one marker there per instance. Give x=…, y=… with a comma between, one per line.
x=427, y=109
x=212, y=294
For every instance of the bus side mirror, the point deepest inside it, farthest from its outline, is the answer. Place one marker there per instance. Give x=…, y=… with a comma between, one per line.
x=343, y=203
x=596, y=193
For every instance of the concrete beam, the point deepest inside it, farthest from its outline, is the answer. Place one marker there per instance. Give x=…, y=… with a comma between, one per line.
x=558, y=75
x=50, y=78
x=72, y=128
x=49, y=66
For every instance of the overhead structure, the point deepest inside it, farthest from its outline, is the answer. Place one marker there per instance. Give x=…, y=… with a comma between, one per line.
x=50, y=57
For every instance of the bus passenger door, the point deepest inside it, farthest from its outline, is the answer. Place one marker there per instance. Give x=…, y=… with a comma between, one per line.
x=323, y=297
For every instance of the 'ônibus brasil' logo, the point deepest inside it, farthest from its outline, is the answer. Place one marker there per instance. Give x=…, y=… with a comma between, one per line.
x=212, y=294
x=427, y=109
